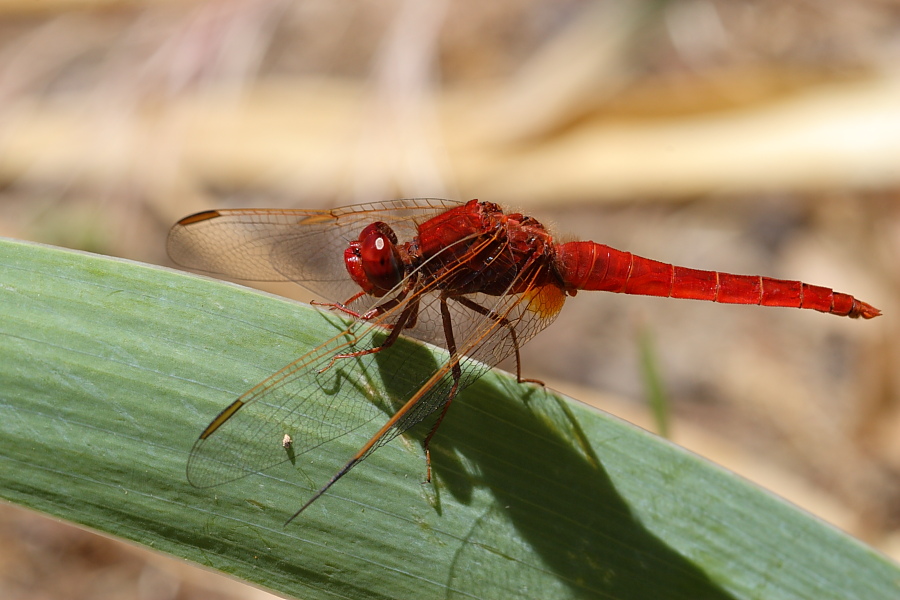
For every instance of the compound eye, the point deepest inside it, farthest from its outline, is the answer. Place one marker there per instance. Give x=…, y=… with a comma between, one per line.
x=379, y=256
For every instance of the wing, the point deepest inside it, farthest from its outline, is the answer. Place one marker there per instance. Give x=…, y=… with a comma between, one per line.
x=303, y=246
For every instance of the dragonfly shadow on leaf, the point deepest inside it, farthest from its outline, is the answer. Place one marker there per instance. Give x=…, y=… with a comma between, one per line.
x=552, y=497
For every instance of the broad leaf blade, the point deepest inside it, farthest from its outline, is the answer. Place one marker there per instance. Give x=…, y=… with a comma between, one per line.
x=110, y=369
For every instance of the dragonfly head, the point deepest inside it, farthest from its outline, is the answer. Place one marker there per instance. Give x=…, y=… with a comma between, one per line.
x=373, y=261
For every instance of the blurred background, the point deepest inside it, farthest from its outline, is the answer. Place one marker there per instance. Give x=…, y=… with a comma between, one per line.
x=760, y=136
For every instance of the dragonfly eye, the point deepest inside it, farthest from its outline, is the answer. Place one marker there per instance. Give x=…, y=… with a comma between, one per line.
x=378, y=227
x=373, y=261
x=380, y=258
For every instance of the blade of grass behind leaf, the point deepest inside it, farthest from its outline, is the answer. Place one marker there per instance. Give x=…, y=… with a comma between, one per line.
x=653, y=383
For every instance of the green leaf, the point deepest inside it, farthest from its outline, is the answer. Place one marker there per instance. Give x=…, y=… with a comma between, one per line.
x=110, y=369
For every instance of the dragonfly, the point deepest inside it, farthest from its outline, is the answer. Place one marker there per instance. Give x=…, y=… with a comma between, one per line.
x=470, y=278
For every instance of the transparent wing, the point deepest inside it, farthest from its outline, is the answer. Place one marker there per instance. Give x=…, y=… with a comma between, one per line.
x=303, y=246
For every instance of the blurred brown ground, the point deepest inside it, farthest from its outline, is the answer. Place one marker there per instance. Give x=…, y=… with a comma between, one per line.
x=757, y=137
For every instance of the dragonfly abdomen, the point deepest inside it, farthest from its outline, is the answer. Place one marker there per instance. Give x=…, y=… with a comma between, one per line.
x=592, y=266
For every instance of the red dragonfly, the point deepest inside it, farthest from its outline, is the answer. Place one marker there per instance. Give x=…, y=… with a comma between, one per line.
x=466, y=277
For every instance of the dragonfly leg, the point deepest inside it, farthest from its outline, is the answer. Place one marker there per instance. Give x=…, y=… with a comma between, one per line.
x=456, y=372
x=409, y=312
x=505, y=323
x=340, y=306
x=378, y=310
x=366, y=316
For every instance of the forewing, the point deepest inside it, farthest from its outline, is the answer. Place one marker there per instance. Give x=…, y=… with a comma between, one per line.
x=303, y=246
